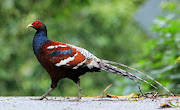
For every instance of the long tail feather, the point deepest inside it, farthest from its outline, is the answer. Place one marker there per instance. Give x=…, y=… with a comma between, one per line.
x=149, y=77
x=113, y=69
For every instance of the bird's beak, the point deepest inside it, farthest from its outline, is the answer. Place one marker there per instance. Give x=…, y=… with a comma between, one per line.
x=30, y=25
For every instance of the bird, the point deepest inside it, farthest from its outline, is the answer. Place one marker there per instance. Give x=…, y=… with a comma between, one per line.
x=63, y=60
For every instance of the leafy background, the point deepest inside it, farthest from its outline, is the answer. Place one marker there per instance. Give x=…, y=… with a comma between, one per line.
x=105, y=27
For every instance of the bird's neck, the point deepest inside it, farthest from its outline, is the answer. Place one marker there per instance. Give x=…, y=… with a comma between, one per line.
x=39, y=39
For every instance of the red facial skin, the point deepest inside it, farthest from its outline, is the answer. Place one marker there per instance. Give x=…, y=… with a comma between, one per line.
x=36, y=24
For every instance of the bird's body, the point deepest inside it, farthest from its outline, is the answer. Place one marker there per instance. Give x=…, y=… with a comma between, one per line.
x=63, y=60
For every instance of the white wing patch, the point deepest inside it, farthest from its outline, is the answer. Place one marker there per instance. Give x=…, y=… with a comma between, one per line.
x=65, y=61
x=55, y=46
x=50, y=47
x=80, y=64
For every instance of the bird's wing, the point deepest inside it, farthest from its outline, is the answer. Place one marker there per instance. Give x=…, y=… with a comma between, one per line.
x=68, y=56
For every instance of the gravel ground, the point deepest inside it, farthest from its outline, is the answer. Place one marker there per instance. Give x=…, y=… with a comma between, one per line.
x=68, y=103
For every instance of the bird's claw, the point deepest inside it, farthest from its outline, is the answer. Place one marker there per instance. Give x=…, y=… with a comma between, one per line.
x=78, y=99
x=39, y=98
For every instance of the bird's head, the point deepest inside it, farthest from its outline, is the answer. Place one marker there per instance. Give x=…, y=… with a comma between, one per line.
x=38, y=25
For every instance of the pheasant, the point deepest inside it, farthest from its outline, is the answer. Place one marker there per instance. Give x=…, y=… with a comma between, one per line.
x=62, y=60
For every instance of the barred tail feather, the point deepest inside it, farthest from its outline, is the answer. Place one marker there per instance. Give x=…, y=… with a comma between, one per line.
x=149, y=77
x=113, y=69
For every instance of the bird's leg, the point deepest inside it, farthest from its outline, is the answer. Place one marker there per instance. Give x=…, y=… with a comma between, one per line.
x=53, y=86
x=44, y=95
x=47, y=93
x=79, y=90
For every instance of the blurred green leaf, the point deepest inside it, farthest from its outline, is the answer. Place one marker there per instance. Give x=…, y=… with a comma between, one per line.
x=177, y=60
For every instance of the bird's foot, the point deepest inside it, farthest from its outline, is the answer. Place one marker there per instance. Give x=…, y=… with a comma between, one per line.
x=78, y=99
x=41, y=98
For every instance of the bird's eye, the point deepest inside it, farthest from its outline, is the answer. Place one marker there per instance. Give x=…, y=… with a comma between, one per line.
x=37, y=23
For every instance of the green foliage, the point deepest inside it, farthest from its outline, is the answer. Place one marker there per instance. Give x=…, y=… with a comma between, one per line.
x=161, y=52
x=177, y=60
